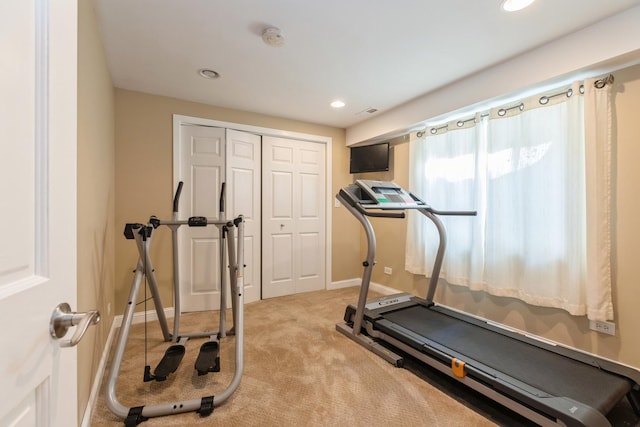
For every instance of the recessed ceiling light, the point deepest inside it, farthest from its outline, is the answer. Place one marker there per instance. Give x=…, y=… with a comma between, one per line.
x=338, y=104
x=209, y=74
x=514, y=5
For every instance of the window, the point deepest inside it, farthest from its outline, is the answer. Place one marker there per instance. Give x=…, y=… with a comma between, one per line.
x=538, y=176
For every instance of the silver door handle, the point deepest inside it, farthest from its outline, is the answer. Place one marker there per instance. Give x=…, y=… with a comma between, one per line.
x=63, y=318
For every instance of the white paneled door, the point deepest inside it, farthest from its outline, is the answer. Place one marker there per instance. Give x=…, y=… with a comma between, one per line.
x=293, y=211
x=38, y=81
x=243, y=198
x=207, y=157
x=202, y=170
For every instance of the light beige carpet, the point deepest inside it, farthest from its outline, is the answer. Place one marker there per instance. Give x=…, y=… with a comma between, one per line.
x=299, y=371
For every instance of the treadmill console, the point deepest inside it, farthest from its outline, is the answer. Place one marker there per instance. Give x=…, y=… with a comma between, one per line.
x=386, y=195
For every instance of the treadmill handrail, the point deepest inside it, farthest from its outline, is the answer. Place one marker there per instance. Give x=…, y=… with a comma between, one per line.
x=384, y=212
x=453, y=213
x=361, y=209
x=372, y=208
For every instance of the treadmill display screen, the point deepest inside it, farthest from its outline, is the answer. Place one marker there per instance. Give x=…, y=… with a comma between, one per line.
x=392, y=195
x=387, y=195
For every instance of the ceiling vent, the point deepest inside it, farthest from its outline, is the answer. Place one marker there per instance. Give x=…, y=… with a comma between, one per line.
x=367, y=111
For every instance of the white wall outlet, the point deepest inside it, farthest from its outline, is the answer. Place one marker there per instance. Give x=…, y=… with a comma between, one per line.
x=336, y=203
x=388, y=270
x=608, y=328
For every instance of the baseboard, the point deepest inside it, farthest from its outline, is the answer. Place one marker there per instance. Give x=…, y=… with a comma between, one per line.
x=343, y=284
x=141, y=316
x=97, y=380
x=138, y=317
x=376, y=287
x=384, y=290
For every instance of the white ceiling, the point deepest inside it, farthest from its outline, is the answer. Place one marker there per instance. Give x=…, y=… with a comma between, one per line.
x=370, y=53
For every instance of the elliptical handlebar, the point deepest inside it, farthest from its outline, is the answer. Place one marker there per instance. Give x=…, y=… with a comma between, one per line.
x=222, y=197
x=176, y=198
x=196, y=221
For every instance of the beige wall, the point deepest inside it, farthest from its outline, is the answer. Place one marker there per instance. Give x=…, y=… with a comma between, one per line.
x=551, y=323
x=95, y=164
x=144, y=180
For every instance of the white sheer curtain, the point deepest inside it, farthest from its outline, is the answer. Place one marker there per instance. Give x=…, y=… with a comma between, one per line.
x=528, y=170
x=443, y=171
x=598, y=181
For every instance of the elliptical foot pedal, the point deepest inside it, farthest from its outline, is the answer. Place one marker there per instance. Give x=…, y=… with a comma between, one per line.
x=169, y=363
x=209, y=358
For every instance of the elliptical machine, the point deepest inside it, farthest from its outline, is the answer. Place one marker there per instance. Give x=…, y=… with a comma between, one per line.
x=208, y=358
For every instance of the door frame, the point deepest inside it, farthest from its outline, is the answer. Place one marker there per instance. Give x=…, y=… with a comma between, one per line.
x=280, y=133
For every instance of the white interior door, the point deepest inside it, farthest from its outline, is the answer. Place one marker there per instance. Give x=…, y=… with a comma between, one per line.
x=293, y=212
x=202, y=169
x=243, y=198
x=209, y=156
x=38, y=59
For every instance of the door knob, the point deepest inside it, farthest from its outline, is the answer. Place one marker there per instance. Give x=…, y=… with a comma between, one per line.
x=63, y=318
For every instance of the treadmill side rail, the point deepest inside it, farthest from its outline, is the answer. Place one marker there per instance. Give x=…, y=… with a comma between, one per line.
x=371, y=345
x=388, y=301
x=561, y=411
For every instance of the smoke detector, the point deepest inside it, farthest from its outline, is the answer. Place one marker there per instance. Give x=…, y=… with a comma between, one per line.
x=272, y=36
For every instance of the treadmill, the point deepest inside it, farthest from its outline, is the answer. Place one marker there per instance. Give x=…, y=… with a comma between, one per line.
x=546, y=382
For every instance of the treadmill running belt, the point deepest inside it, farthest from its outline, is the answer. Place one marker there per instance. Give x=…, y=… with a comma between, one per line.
x=542, y=369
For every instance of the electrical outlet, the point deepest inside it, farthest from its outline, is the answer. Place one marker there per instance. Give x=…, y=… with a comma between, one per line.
x=388, y=270
x=608, y=328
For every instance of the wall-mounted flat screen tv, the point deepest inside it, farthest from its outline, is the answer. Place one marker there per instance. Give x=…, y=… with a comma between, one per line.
x=369, y=158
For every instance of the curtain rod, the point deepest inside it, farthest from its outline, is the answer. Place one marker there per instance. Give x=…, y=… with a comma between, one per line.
x=598, y=84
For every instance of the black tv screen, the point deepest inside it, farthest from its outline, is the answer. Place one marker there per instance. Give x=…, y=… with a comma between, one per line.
x=369, y=158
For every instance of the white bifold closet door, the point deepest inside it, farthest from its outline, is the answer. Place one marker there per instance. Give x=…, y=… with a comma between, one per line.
x=293, y=212
x=279, y=186
x=243, y=198
x=208, y=157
